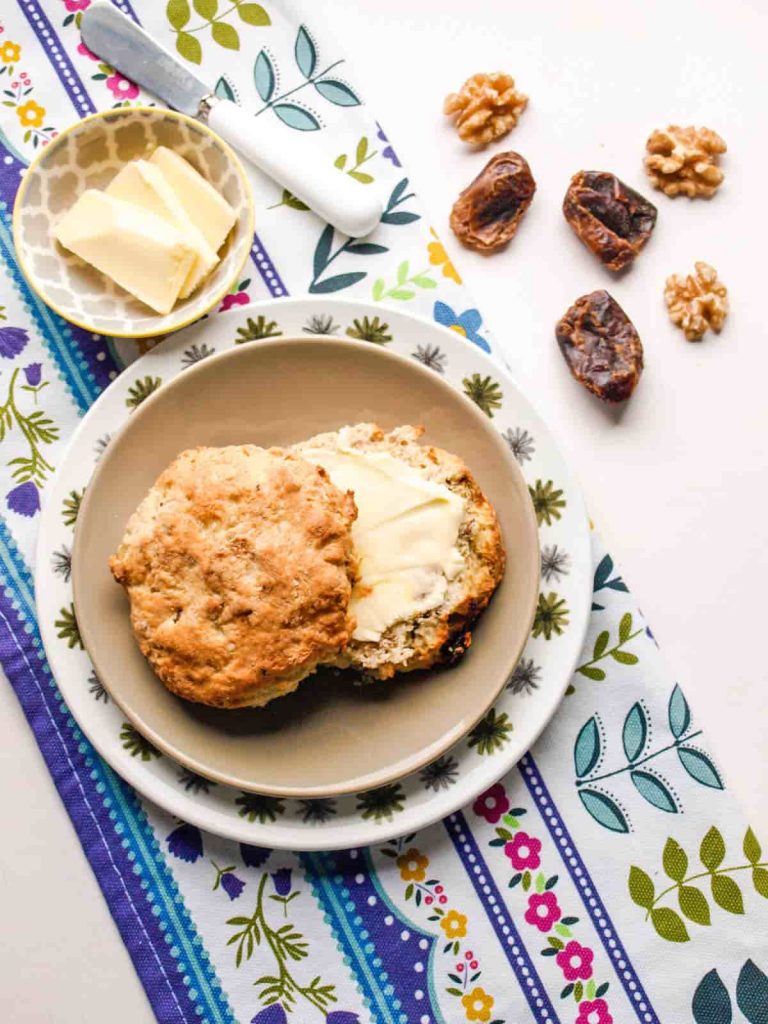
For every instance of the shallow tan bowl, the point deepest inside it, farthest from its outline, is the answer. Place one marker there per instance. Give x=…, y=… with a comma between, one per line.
x=329, y=737
x=89, y=155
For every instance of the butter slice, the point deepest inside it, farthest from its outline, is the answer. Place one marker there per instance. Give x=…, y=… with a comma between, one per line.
x=139, y=250
x=405, y=535
x=206, y=209
x=144, y=184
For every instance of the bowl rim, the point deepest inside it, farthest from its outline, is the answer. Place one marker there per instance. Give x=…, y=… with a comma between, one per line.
x=415, y=761
x=42, y=153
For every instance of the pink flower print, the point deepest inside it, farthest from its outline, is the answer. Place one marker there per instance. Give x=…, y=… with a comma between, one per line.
x=83, y=50
x=575, y=961
x=77, y=5
x=492, y=804
x=122, y=88
x=543, y=911
x=233, y=299
x=523, y=851
x=594, y=1011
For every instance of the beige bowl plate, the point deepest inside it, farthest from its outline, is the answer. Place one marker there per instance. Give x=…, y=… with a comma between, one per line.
x=330, y=737
x=89, y=155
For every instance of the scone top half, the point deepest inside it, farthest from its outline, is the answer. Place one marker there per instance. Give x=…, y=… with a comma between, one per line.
x=239, y=565
x=428, y=542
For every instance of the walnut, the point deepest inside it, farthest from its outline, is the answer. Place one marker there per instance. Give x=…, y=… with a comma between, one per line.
x=683, y=161
x=697, y=301
x=486, y=107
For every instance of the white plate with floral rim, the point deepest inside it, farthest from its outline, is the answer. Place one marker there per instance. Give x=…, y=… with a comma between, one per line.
x=497, y=742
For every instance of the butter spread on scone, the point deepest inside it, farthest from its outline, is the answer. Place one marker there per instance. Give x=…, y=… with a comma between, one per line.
x=405, y=534
x=239, y=567
x=423, y=634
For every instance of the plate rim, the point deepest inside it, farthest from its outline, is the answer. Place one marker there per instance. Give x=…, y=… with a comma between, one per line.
x=416, y=761
x=290, y=834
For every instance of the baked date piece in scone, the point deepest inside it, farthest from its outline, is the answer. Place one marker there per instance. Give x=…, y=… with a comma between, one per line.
x=428, y=543
x=239, y=567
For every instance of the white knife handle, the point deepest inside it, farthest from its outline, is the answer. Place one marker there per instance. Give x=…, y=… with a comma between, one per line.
x=298, y=164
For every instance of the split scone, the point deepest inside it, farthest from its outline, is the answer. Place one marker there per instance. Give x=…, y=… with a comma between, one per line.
x=429, y=548
x=239, y=566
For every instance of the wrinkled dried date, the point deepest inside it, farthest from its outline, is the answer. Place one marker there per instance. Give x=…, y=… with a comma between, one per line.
x=609, y=217
x=488, y=212
x=601, y=346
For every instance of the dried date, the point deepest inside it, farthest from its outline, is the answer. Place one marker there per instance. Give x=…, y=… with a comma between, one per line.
x=488, y=212
x=610, y=218
x=601, y=346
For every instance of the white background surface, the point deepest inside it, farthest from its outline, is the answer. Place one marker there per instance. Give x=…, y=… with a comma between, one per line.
x=676, y=482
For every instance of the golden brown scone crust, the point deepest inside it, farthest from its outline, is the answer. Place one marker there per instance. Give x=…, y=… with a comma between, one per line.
x=238, y=565
x=445, y=633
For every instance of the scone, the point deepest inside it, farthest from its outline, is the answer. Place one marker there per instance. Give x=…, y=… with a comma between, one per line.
x=429, y=547
x=239, y=566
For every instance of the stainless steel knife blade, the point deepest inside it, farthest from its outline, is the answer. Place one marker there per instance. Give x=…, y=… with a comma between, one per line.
x=119, y=41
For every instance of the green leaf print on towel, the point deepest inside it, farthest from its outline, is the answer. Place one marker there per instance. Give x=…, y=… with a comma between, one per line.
x=405, y=284
x=223, y=32
x=602, y=649
x=287, y=947
x=725, y=890
x=653, y=787
x=362, y=156
x=712, y=1004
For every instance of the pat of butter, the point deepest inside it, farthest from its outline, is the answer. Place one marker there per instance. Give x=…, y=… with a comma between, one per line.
x=144, y=184
x=140, y=251
x=210, y=213
x=405, y=535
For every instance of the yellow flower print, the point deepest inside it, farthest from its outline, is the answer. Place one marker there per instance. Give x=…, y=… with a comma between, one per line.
x=438, y=257
x=10, y=52
x=413, y=865
x=454, y=925
x=477, y=1004
x=30, y=114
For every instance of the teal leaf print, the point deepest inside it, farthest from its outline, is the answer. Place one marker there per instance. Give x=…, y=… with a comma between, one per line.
x=305, y=52
x=366, y=248
x=398, y=196
x=604, y=810
x=323, y=251
x=711, y=1003
x=675, y=860
x=635, y=732
x=712, y=849
x=296, y=117
x=224, y=90
x=752, y=993
x=586, y=752
x=335, y=284
x=700, y=767
x=641, y=888
x=264, y=76
x=678, y=712
x=655, y=790
x=338, y=93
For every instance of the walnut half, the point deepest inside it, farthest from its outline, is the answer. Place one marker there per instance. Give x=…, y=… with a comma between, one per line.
x=486, y=107
x=697, y=302
x=683, y=161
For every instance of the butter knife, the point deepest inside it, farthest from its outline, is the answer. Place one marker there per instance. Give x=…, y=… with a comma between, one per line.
x=296, y=163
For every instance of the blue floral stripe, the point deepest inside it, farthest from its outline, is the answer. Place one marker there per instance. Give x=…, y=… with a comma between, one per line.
x=57, y=334
x=587, y=890
x=500, y=918
x=334, y=899
x=267, y=269
x=112, y=828
x=58, y=56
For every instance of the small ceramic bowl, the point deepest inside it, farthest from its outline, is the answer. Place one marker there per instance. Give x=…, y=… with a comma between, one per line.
x=330, y=737
x=89, y=155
